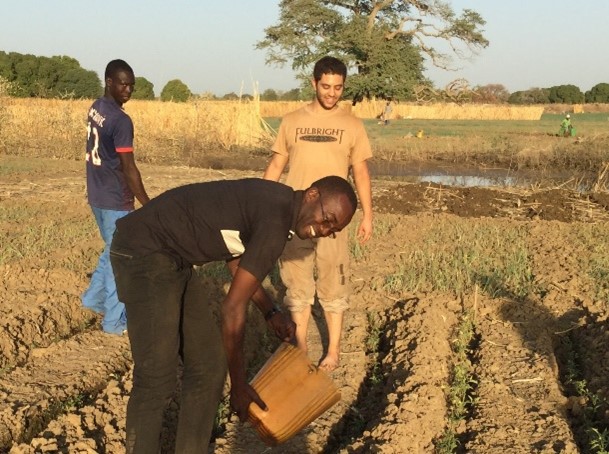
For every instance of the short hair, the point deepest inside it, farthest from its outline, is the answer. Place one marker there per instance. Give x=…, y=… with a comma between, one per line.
x=335, y=185
x=116, y=66
x=329, y=65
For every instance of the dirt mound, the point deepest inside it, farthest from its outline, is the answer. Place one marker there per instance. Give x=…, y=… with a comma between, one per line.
x=547, y=204
x=537, y=357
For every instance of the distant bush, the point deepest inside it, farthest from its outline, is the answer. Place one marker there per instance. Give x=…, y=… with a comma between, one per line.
x=490, y=94
x=269, y=95
x=292, y=95
x=144, y=89
x=175, y=90
x=598, y=93
x=565, y=94
x=48, y=77
x=530, y=96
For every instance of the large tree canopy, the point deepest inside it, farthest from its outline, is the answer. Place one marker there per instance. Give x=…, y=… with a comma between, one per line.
x=385, y=41
x=565, y=94
x=598, y=93
x=144, y=89
x=175, y=90
x=48, y=77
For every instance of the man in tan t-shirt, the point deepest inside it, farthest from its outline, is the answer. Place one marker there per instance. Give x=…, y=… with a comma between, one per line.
x=318, y=140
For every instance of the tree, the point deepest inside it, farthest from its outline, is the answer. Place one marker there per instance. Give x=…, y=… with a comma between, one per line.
x=598, y=93
x=144, y=89
x=385, y=41
x=78, y=83
x=175, y=90
x=6, y=87
x=48, y=77
x=291, y=95
x=530, y=96
x=6, y=67
x=67, y=79
x=208, y=96
x=565, y=94
x=269, y=95
x=518, y=97
x=491, y=94
x=232, y=96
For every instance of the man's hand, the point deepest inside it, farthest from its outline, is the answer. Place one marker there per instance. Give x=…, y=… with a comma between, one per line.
x=283, y=326
x=240, y=399
x=133, y=177
x=361, y=175
x=364, y=232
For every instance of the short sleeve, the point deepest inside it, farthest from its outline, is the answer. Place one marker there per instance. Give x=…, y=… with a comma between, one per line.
x=123, y=135
x=361, y=148
x=281, y=146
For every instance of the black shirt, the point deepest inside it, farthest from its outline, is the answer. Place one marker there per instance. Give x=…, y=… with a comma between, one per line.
x=218, y=220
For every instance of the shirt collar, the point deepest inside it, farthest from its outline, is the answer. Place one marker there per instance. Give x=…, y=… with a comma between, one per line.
x=298, y=196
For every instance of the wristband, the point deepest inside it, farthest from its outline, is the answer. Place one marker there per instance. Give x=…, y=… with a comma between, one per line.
x=271, y=312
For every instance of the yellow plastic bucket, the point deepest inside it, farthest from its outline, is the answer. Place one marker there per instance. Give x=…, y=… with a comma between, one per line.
x=295, y=391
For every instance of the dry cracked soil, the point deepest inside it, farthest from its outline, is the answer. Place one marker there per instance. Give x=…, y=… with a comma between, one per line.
x=64, y=384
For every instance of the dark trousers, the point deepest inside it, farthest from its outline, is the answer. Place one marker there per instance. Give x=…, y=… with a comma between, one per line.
x=168, y=317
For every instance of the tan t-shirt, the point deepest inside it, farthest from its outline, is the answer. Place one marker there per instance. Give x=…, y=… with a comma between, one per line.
x=320, y=144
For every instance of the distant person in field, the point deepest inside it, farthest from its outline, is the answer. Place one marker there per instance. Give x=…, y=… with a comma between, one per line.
x=113, y=180
x=566, y=128
x=245, y=223
x=387, y=113
x=318, y=140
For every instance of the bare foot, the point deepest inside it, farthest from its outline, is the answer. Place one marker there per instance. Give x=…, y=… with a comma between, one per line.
x=329, y=363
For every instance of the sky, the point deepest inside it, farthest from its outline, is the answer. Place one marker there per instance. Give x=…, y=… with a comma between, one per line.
x=210, y=45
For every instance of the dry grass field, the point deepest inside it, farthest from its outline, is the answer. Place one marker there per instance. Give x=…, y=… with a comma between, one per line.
x=447, y=111
x=165, y=132
x=236, y=134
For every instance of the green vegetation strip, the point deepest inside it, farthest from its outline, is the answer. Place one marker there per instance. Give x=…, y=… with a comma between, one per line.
x=39, y=239
x=456, y=255
x=589, y=414
x=35, y=230
x=595, y=240
x=382, y=226
x=461, y=392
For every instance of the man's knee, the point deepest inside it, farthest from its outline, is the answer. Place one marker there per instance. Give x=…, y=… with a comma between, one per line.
x=337, y=306
x=297, y=305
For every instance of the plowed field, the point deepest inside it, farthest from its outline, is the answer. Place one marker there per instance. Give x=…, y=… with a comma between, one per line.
x=536, y=352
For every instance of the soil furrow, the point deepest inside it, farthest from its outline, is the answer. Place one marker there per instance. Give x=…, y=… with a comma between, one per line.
x=410, y=409
x=36, y=311
x=518, y=369
x=62, y=372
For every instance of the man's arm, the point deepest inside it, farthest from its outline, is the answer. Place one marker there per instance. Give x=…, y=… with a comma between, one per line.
x=133, y=177
x=275, y=168
x=281, y=324
x=244, y=287
x=234, y=312
x=361, y=175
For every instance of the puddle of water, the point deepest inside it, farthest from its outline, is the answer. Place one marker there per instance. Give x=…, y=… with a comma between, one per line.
x=456, y=175
x=468, y=181
x=452, y=174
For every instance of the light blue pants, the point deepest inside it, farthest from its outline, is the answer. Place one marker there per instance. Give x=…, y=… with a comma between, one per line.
x=101, y=295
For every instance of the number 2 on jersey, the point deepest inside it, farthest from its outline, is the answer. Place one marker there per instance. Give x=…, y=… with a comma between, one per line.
x=93, y=155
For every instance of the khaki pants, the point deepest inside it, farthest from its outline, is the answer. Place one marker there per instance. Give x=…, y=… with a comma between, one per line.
x=316, y=266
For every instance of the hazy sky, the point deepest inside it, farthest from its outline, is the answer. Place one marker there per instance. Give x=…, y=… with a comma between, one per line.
x=537, y=43
x=209, y=45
